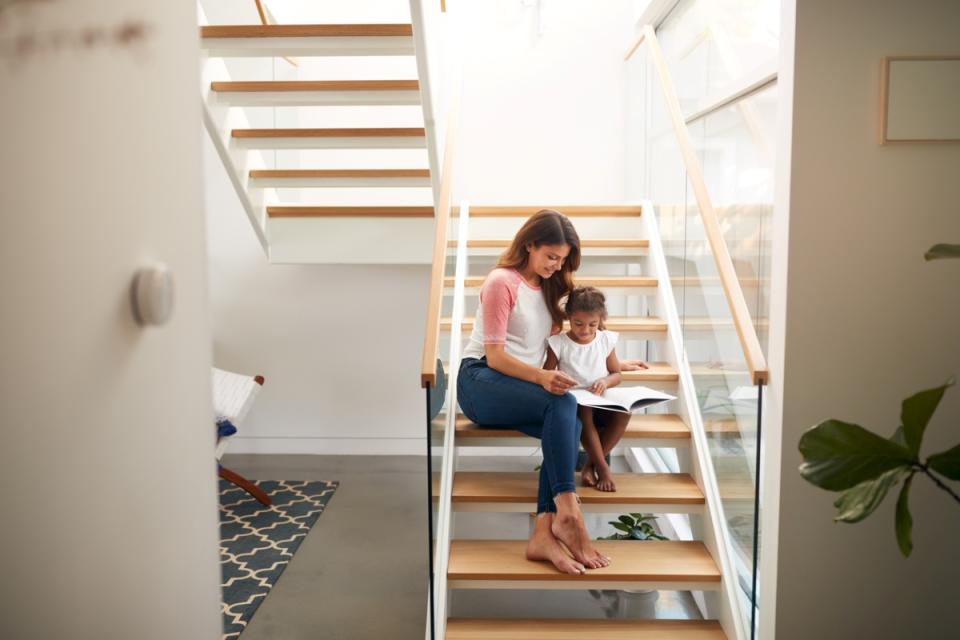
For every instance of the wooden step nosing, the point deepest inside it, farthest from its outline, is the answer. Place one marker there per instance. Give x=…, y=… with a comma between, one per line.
x=579, y=628
x=593, y=507
x=380, y=30
x=587, y=581
x=512, y=211
x=349, y=132
x=349, y=212
x=296, y=86
x=339, y=173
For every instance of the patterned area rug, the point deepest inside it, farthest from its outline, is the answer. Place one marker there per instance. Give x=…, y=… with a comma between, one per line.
x=257, y=542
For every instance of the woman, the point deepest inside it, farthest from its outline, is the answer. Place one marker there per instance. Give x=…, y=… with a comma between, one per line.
x=502, y=382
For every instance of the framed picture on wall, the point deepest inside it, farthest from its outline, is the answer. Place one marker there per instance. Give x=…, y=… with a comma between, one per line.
x=920, y=99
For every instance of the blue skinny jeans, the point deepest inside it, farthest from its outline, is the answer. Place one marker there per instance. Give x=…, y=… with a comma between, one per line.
x=493, y=399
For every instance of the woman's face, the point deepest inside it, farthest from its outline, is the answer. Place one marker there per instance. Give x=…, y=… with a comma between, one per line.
x=547, y=259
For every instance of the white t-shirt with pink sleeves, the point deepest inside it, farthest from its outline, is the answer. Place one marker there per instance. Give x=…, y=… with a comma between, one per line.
x=513, y=313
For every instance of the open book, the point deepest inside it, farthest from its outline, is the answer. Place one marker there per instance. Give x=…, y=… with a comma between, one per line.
x=622, y=399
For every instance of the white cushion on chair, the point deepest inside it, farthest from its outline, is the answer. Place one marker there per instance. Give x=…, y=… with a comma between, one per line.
x=233, y=395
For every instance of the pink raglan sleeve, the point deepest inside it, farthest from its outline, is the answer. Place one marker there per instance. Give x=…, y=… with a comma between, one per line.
x=497, y=298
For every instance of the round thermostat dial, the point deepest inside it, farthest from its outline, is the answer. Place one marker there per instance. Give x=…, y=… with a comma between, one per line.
x=153, y=295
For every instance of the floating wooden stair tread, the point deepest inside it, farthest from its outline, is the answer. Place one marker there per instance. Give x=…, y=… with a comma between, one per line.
x=306, y=30
x=351, y=178
x=319, y=93
x=554, y=629
x=597, y=243
x=663, y=563
x=651, y=425
x=316, y=85
x=526, y=211
x=473, y=282
x=248, y=40
x=340, y=173
x=645, y=324
x=349, y=212
x=354, y=132
x=725, y=428
x=632, y=488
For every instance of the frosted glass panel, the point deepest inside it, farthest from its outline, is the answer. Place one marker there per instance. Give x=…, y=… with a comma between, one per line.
x=709, y=44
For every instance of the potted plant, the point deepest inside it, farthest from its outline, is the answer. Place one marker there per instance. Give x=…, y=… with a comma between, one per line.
x=864, y=466
x=631, y=603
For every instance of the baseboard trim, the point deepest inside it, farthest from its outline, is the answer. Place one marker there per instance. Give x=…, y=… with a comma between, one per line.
x=330, y=446
x=361, y=447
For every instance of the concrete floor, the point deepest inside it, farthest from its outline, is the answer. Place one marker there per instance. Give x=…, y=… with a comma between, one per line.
x=361, y=571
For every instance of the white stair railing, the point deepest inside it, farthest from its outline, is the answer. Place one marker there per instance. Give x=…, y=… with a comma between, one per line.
x=444, y=522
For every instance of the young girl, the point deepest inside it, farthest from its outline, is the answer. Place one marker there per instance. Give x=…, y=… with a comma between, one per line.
x=586, y=353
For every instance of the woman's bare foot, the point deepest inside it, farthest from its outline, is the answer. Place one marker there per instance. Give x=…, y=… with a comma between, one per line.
x=588, y=475
x=568, y=528
x=605, y=479
x=543, y=546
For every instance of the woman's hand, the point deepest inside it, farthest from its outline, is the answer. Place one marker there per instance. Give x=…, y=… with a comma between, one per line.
x=556, y=382
x=599, y=386
x=633, y=365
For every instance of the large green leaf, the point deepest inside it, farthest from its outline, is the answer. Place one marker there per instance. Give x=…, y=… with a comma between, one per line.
x=904, y=522
x=915, y=414
x=898, y=437
x=859, y=502
x=938, y=251
x=946, y=462
x=839, y=455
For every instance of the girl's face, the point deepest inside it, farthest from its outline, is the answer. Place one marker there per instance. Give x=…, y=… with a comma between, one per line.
x=584, y=325
x=547, y=259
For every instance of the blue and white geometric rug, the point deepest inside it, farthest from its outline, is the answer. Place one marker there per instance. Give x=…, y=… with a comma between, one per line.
x=257, y=542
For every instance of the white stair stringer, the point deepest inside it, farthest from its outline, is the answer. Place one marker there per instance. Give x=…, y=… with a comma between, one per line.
x=219, y=121
x=723, y=604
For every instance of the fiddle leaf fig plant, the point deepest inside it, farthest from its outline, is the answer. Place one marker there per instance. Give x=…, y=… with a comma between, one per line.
x=839, y=456
x=845, y=457
x=939, y=251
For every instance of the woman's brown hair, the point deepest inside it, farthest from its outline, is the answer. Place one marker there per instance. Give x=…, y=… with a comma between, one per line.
x=547, y=227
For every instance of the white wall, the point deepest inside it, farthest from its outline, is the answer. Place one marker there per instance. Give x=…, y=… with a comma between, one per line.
x=107, y=473
x=339, y=345
x=543, y=109
x=867, y=323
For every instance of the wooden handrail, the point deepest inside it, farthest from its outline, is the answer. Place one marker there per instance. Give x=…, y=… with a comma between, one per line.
x=263, y=12
x=749, y=342
x=428, y=368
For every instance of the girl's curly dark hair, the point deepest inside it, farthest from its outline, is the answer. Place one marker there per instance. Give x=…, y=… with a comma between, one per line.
x=586, y=299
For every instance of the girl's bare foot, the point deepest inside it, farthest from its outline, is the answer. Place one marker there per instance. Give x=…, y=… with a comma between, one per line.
x=543, y=546
x=605, y=479
x=568, y=528
x=588, y=475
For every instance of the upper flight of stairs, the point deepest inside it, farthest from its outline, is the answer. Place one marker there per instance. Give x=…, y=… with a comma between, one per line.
x=301, y=222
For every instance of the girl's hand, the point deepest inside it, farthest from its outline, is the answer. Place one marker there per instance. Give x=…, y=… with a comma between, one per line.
x=633, y=365
x=556, y=382
x=599, y=386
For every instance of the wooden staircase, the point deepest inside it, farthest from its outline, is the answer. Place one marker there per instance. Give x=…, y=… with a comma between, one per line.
x=296, y=203
x=675, y=565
